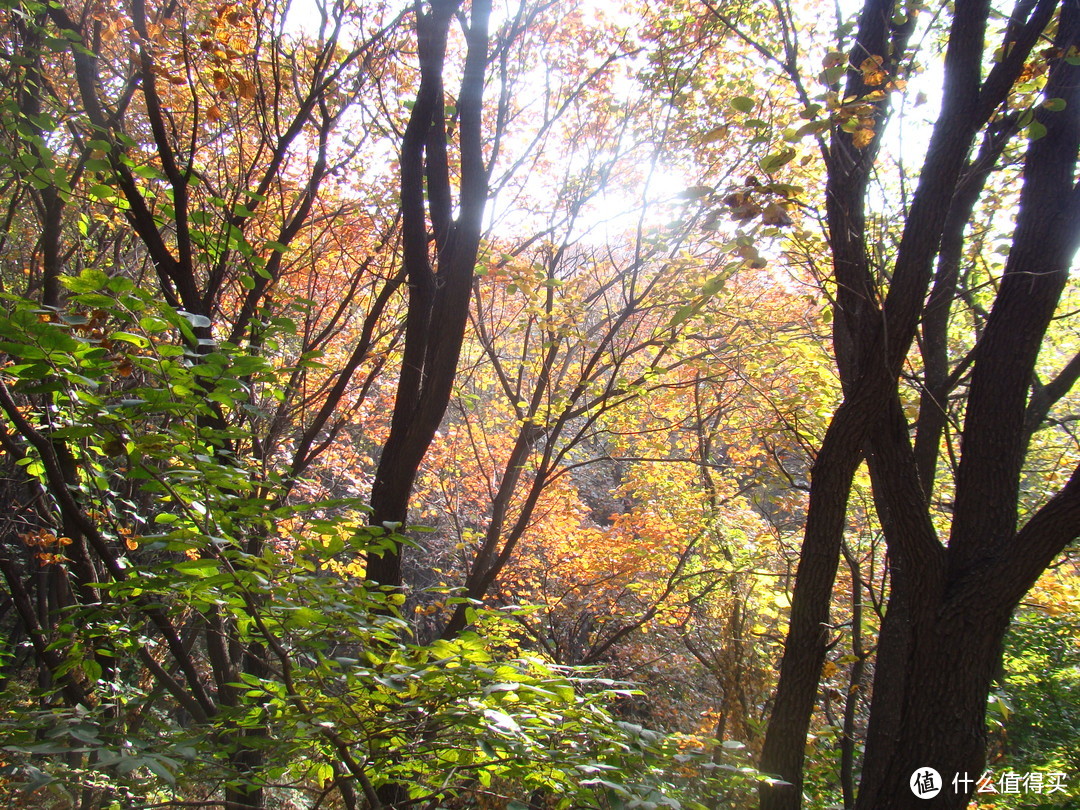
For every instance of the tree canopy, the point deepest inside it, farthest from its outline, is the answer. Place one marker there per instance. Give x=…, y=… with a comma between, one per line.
x=517, y=404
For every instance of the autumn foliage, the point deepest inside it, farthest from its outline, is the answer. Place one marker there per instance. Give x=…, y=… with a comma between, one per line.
x=534, y=404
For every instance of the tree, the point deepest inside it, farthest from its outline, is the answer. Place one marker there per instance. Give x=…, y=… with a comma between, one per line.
x=959, y=563
x=1036, y=696
x=205, y=300
x=205, y=316
x=440, y=284
x=118, y=126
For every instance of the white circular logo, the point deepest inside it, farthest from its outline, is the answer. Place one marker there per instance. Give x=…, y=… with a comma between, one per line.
x=925, y=783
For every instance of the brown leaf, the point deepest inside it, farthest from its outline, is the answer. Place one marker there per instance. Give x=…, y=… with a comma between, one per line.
x=696, y=192
x=748, y=210
x=775, y=214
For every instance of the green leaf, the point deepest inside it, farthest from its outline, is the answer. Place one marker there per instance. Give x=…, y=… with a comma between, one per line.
x=196, y=321
x=715, y=284
x=89, y=280
x=743, y=104
x=134, y=340
x=771, y=163
x=157, y=766
x=148, y=172
x=501, y=721
x=92, y=669
x=682, y=314
x=151, y=323
x=198, y=568
x=322, y=772
x=833, y=75
x=86, y=733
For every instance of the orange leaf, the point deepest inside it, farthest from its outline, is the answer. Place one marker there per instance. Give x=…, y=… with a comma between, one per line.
x=871, y=70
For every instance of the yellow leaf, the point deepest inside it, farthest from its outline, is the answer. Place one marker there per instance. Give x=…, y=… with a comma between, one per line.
x=715, y=134
x=863, y=137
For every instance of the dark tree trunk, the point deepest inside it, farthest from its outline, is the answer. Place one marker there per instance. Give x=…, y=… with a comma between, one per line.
x=439, y=256
x=941, y=704
x=949, y=606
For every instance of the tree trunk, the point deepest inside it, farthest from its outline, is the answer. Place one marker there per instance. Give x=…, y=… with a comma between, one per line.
x=439, y=287
x=950, y=606
x=953, y=652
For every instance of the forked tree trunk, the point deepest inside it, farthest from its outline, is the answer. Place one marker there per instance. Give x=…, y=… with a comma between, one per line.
x=439, y=254
x=950, y=604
